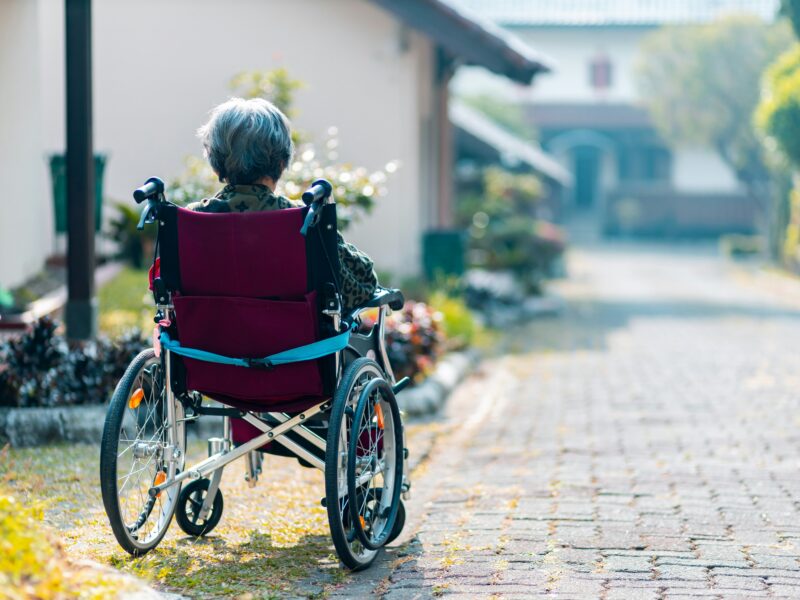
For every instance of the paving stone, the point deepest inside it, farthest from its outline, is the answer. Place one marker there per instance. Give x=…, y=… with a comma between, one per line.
x=650, y=424
x=630, y=564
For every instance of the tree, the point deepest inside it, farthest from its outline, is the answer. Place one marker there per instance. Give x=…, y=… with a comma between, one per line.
x=791, y=10
x=778, y=118
x=778, y=114
x=701, y=85
x=507, y=115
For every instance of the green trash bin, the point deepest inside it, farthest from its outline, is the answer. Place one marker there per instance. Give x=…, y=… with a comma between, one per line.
x=443, y=253
x=58, y=174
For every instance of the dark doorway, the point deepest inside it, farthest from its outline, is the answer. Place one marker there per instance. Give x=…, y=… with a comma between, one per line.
x=587, y=172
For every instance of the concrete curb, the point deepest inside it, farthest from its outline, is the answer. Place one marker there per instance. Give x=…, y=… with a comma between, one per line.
x=24, y=427
x=27, y=427
x=430, y=395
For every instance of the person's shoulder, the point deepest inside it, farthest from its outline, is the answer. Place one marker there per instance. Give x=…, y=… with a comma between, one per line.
x=210, y=205
x=280, y=202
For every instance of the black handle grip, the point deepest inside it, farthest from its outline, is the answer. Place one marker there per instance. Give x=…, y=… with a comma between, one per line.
x=152, y=187
x=320, y=189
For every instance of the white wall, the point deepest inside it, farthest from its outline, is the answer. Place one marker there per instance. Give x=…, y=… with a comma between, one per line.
x=25, y=214
x=159, y=68
x=701, y=170
x=572, y=50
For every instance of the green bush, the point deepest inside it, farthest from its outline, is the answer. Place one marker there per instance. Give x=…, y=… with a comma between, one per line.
x=134, y=246
x=355, y=188
x=34, y=566
x=778, y=114
x=41, y=368
x=504, y=231
x=458, y=323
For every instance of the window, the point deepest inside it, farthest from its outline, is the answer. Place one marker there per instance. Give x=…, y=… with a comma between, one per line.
x=642, y=162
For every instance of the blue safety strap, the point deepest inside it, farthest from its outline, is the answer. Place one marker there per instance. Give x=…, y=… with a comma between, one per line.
x=308, y=352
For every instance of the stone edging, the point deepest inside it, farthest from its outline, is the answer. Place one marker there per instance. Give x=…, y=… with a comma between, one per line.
x=26, y=427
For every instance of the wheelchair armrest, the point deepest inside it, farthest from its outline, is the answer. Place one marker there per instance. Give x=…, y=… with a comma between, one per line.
x=383, y=296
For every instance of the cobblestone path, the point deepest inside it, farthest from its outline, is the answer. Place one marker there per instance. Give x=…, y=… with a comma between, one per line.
x=643, y=444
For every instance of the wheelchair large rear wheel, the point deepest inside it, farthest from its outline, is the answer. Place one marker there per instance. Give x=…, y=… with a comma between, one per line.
x=139, y=449
x=375, y=464
x=352, y=517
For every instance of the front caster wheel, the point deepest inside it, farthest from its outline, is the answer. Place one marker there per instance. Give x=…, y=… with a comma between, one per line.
x=187, y=513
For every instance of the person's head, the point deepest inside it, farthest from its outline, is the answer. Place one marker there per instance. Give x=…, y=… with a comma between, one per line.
x=247, y=141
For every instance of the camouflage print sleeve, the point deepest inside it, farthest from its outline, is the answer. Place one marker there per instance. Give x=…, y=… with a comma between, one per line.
x=358, y=276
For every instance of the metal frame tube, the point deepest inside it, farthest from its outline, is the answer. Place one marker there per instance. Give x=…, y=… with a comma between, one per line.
x=387, y=366
x=212, y=463
x=303, y=431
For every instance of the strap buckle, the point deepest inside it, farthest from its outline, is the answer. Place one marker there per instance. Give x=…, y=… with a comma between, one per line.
x=259, y=363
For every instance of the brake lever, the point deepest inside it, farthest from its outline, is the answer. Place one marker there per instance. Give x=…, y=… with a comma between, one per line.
x=146, y=218
x=312, y=217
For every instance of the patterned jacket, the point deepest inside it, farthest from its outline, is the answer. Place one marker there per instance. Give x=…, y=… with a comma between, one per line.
x=358, y=279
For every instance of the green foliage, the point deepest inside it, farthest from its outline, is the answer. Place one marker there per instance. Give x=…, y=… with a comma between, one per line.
x=791, y=10
x=507, y=115
x=277, y=86
x=355, y=188
x=34, y=566
x=791, y=245
x=778, y=114
x=457, y=321
x=40, y=368
x=125, y=303
x=505, y=233
x=25, y=552
x=701, y=86
x=133, y=244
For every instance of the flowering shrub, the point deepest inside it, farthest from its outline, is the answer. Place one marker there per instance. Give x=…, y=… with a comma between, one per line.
x=505, y=231
x=414, y=338
x=34, y=565
x=355, y=188
x=42, y=369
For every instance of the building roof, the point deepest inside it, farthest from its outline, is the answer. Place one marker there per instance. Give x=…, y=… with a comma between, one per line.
x=470, y=37
x=563, y=115
x=507, y=147
x=615, y=12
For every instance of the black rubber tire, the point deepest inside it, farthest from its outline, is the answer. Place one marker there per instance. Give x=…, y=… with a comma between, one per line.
x=192, y=496
x=382, y=387
x=339, y=528
x=108, y=458
x=399, y=522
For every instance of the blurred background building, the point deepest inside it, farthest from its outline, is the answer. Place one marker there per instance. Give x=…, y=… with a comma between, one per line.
x=377, y=70
x=589, y=115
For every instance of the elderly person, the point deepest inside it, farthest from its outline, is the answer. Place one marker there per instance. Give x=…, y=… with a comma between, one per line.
x=248, y=144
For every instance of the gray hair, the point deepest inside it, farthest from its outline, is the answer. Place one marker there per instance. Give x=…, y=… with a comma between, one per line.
x=245, y=140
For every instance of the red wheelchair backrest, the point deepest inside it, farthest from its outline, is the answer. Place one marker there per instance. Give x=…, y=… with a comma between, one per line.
x=249, y=255
x=249, y=285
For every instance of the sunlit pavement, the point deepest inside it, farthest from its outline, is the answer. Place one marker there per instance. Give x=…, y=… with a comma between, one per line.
x=644, y=444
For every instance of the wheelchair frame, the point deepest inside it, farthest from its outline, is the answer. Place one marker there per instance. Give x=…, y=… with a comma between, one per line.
x=224, y=453
x=221, y=450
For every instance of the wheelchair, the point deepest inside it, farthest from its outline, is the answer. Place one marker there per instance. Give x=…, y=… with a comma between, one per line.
x=250, y=328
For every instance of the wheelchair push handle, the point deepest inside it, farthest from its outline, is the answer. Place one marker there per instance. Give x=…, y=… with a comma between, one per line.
x=319, y=190
x=152, y=188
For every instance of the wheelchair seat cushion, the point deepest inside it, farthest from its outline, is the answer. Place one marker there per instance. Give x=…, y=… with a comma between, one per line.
x=249, y=328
